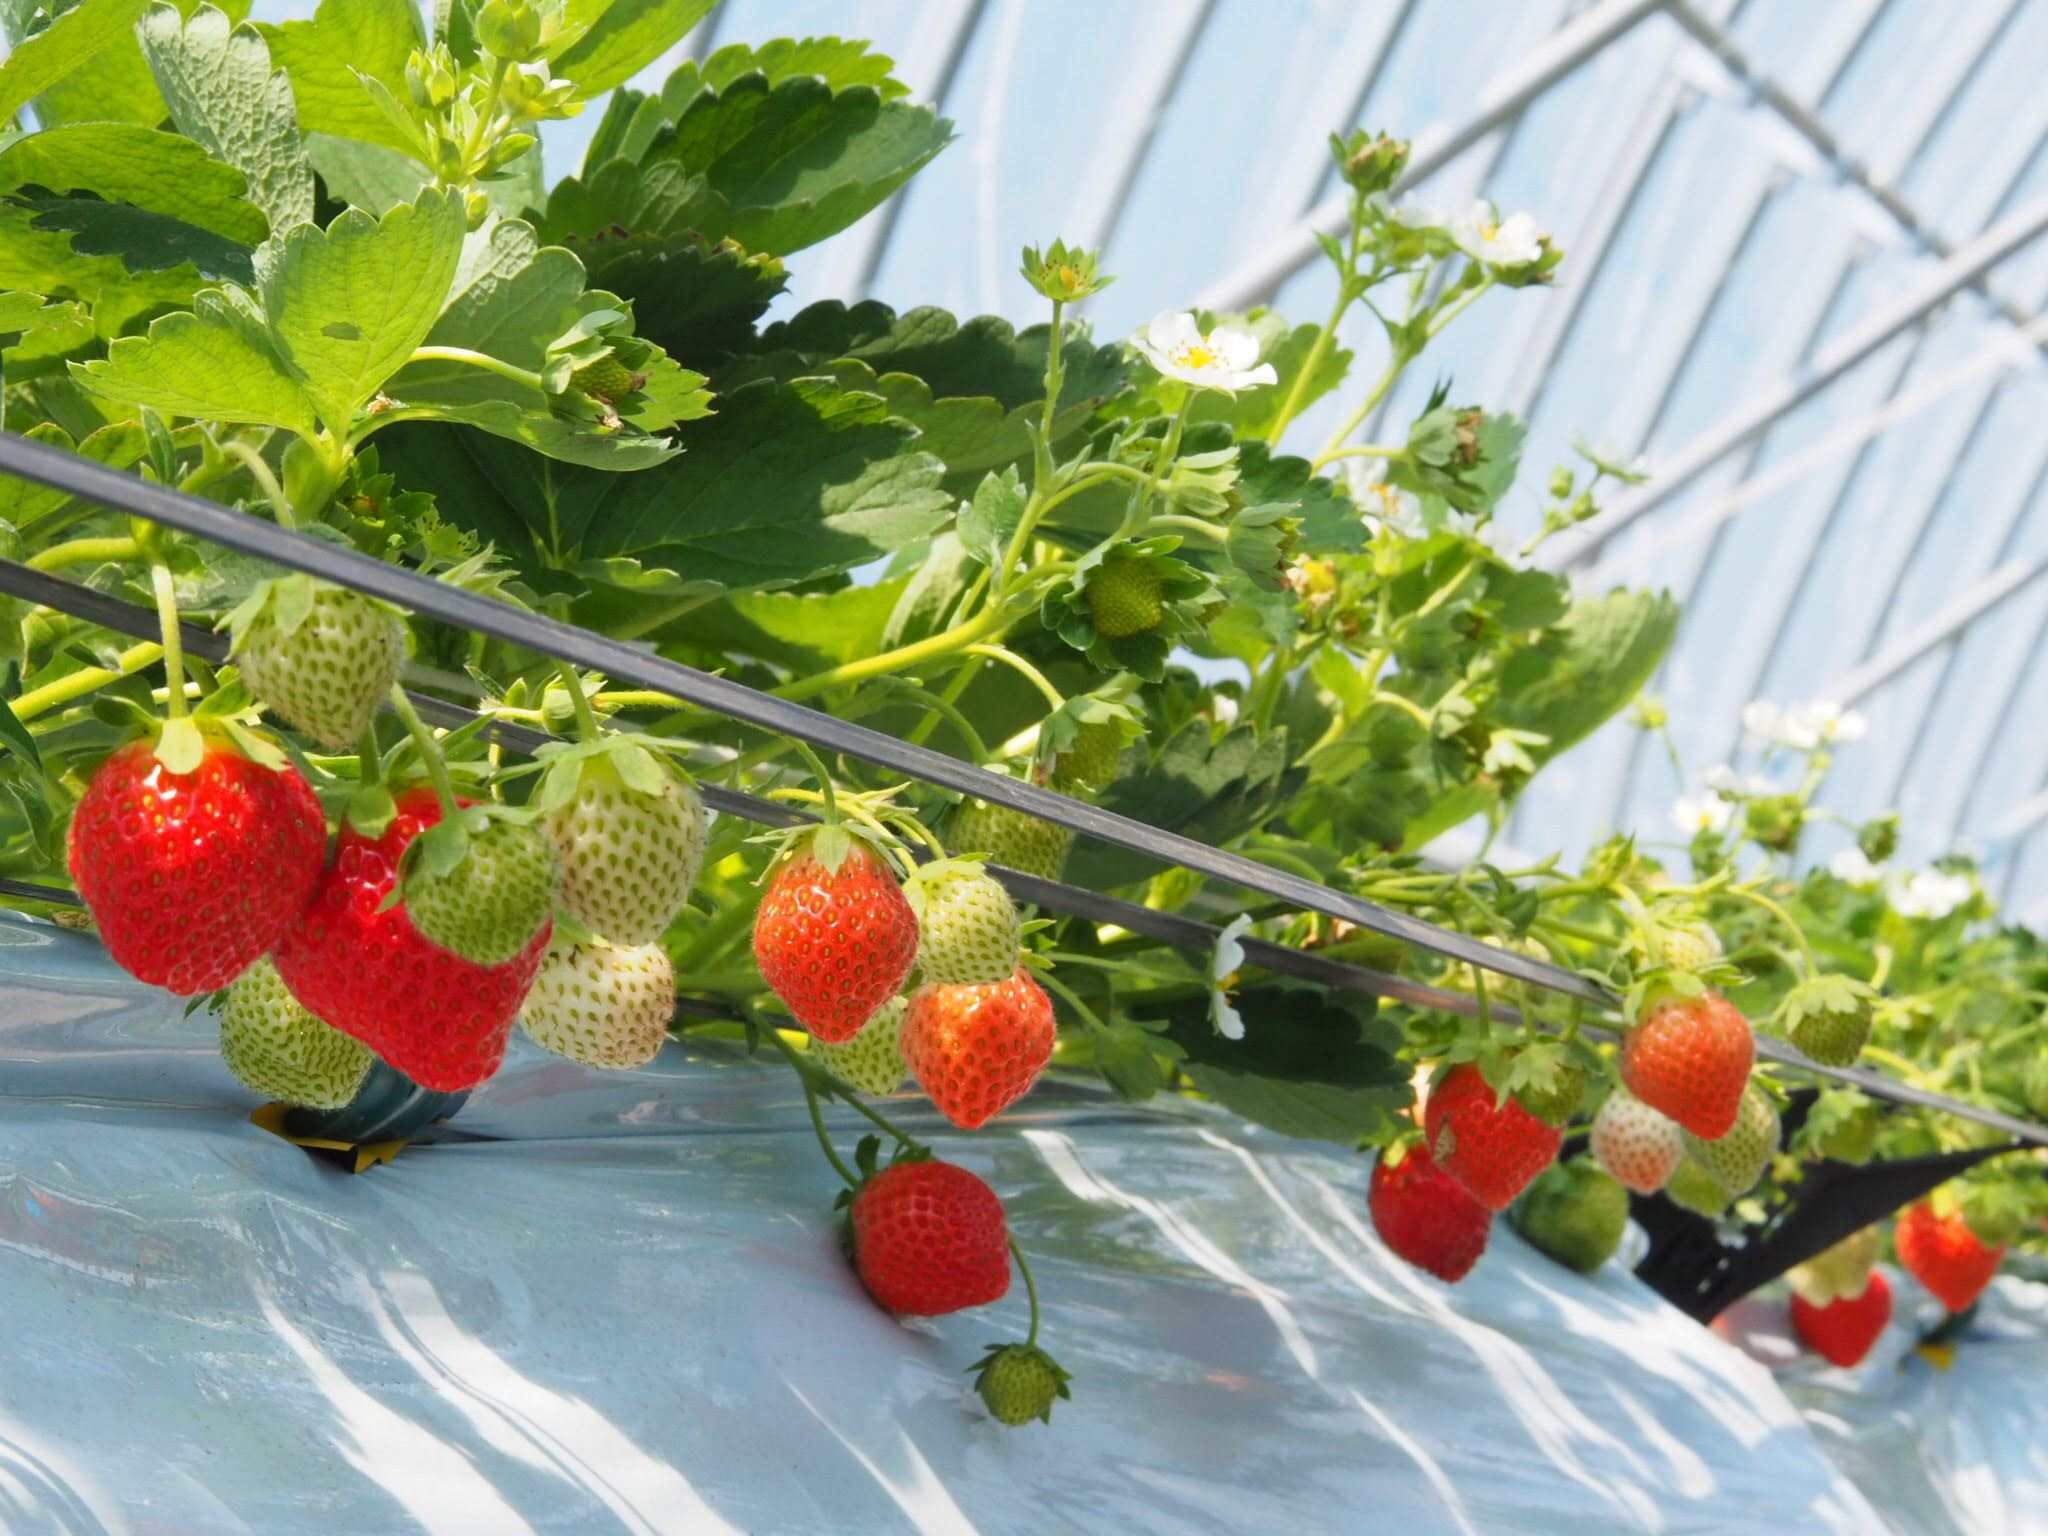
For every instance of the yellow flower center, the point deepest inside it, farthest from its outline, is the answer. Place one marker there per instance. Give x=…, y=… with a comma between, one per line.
x=1198, y=355
x=1489, y=231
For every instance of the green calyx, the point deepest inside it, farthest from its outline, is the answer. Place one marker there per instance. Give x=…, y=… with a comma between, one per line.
x=1127, y=605
x=1829, y=1018
x=1020, y=1382
x=1125, y=597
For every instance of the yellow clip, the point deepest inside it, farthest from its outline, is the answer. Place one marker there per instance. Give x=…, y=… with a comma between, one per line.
x=271, y=1118
x=1940, y=1356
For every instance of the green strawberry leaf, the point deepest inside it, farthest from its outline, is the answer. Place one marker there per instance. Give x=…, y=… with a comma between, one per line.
x=160, y=172
x=627, y=36
x=327, y=57
x=987, y=522
x=221, y=90
x=212, y=363
x=72, y=38
x=363, y=175
x=12, y=732
x=798, y=161
x=1576, y=676
x=141, y=240
x=348, y=304
x=839, y=62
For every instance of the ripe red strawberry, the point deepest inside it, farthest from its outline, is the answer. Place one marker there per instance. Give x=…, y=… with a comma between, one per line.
x=1428, y=1217
x=439, y=1019
x=1638, y=1145
x=1690, y=1058
x=1842, y=1331
x=1494, y=1151
x=834, y=943
x=929, y=1238
x=1943, y=1254
x=193, y=876
x=977, y=1050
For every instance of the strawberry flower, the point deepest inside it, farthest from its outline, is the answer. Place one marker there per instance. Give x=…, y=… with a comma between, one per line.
x=1930, y=894
x=1694, y=814
x=1221, y=359
x=1852, y=866
x=1223, y=968
x=1482, y=234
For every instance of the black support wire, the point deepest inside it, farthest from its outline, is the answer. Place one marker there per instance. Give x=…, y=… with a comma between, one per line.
x=1170, y=928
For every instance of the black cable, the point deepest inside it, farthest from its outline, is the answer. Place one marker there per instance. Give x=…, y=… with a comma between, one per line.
x=231, y=529
x=1168, y=927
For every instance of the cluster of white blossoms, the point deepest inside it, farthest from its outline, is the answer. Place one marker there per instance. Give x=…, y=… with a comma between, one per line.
x=1221, y=359
x=1478, y=229
x=1804, y=727
x=1928, y=893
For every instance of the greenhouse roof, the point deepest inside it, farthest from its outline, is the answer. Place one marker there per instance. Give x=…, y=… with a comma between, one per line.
x=1803, y=283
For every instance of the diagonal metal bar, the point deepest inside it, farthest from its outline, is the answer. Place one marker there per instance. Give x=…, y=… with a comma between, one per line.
x=1509, y=94
x=1167, y=927
x=545, y=636
x=1961, y=270
x=1938, y=628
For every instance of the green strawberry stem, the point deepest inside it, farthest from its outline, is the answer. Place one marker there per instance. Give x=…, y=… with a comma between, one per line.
x=260, y=472
x=899, y=817
x=174, y=643
x=83, y=552
x=1030, y=1290
x=803, y=1077
x=1060, y=989
x=1017, y=663
x=826, y=792
x=587, y=727
x=429, y=750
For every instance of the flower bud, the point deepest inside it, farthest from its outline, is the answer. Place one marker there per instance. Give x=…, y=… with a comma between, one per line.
x=1370, y=162
x=1063, y=275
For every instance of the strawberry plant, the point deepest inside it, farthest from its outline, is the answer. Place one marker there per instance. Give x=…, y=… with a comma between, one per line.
x=313, y=273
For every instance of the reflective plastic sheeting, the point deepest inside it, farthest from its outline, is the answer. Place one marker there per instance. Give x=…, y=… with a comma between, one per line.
x=631, y=1314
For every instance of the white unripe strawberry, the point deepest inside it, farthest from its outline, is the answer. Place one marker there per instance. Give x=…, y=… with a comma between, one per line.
x=872, y=1060
x=320, y=655
x=601, y=1004
x=1638, y=1145
x=631, y=843
x=968, y=928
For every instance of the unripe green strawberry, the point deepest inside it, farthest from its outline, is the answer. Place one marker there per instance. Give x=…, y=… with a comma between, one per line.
x=1009, y=838
x=1691, y=946
x=1855, y=1138
x=872, y=1060
x=325, y=662
x=601, y=1004
x=276, y=1048
x=607, y=379
x=968, y=928
x=495, y=899
x=1020, y=1382
x=629, y=857
x=1839, y=1273
x=1124, y=596
x=1692, y=1187
x=1738, y=1159
x=1091, y=761
x=1828, y=1017
x=1575, y=1213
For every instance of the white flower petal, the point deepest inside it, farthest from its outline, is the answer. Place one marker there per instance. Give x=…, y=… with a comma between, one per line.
x=1225, y=1017
x=1853, y=867
x=1229, y=954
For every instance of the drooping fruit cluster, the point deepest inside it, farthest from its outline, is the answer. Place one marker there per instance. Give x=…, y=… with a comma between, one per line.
x=835, y=936
x=976, y=1050
x=364, y=968
x=1426, y=1216
x=193, y=876
x=1689, y=1057
x=929, y=1238
x=1492, y=1145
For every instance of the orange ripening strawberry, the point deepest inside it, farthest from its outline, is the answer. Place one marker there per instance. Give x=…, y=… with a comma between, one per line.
x=1842, y=1331
x=834, y=940
x=1493, y=1149
x=1943, y=1254
x=1689, y=1059
x=1428, y=1217
x=930, y=1238
x=441, y=1020
x=977, y=1050
x=193, y=877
